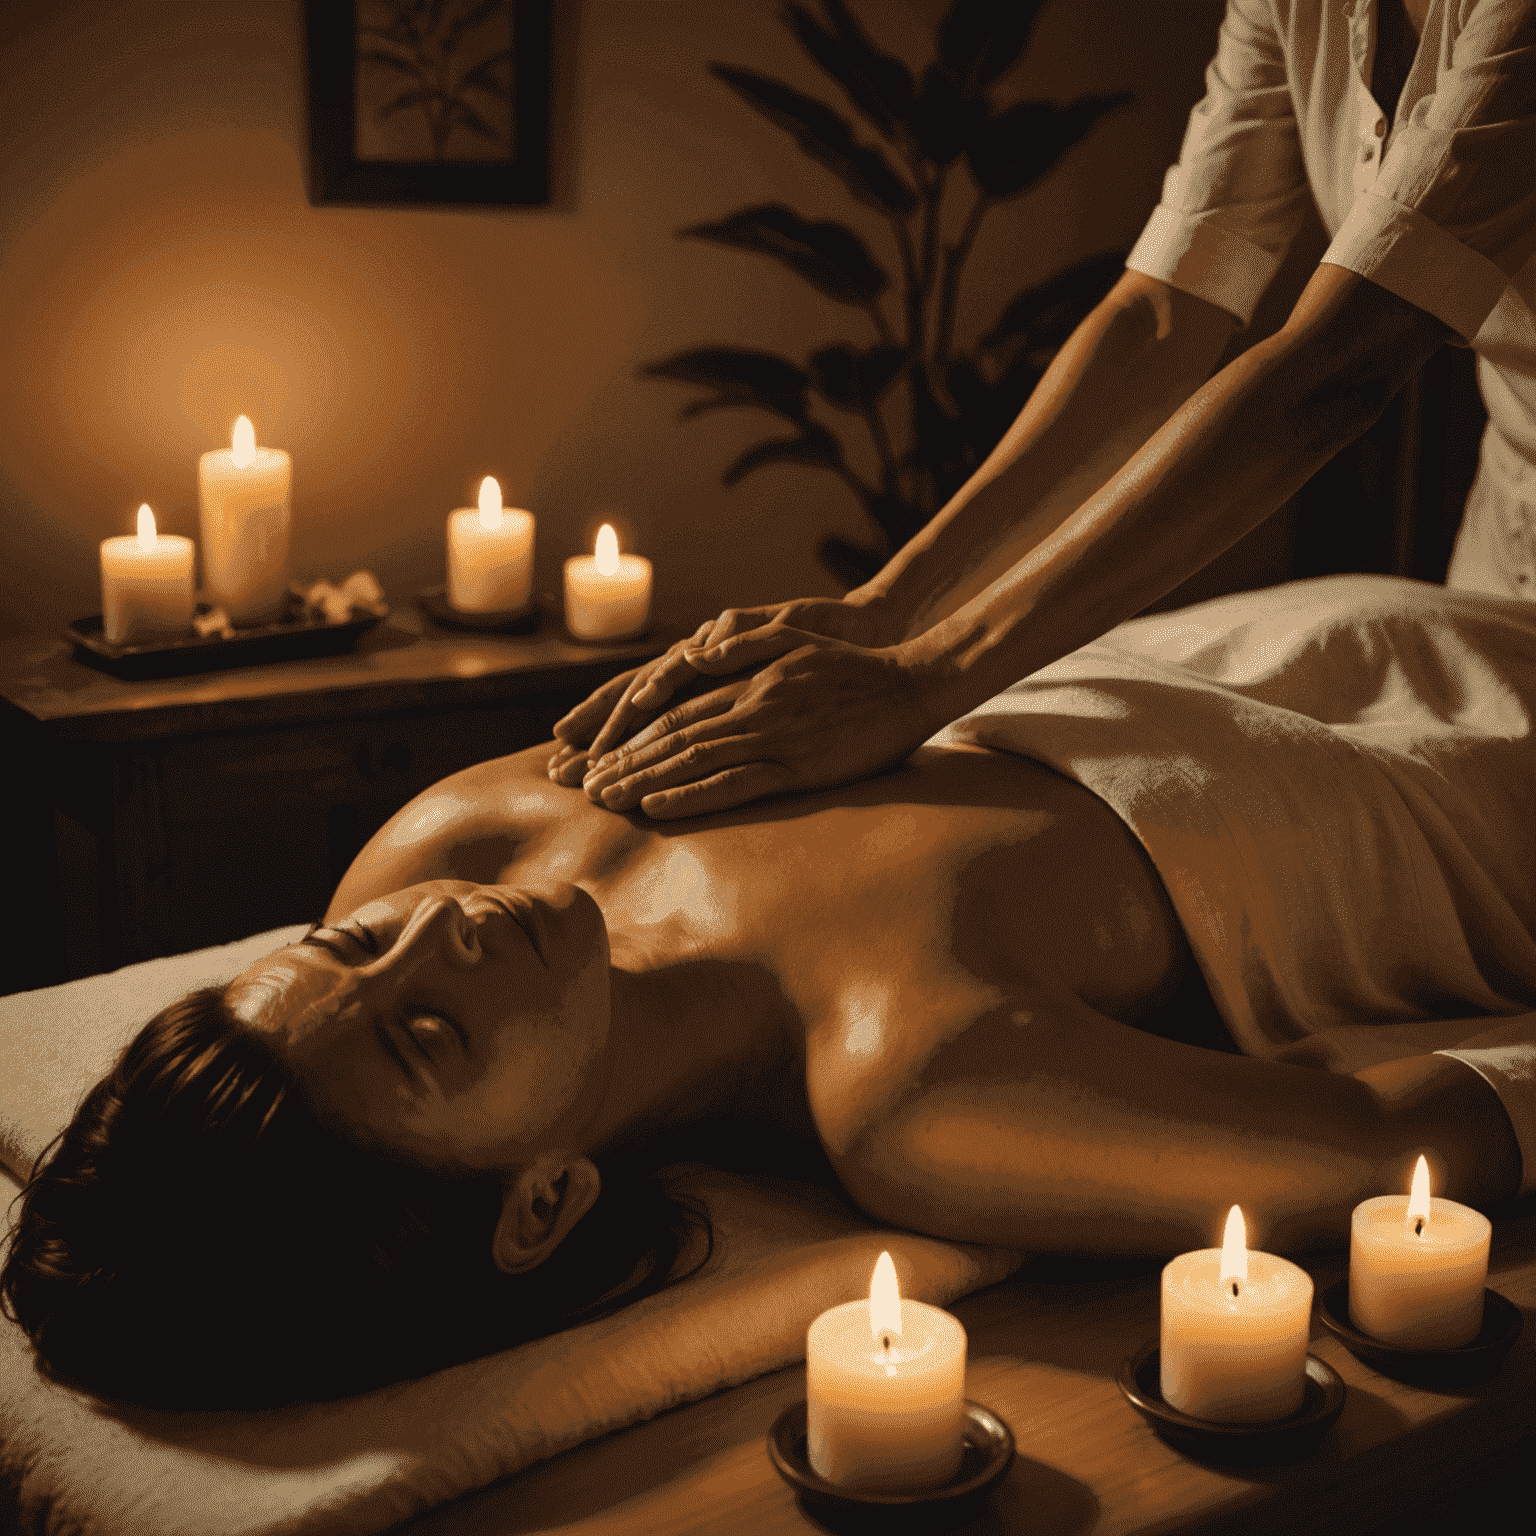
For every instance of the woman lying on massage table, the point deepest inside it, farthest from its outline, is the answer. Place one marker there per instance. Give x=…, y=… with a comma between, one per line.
x=375, y=1150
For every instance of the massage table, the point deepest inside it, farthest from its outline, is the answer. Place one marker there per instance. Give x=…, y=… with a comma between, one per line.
x=655, y=1421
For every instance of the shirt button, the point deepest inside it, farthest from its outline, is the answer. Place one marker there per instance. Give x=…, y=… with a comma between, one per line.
x=1381, y=127
x=1369, y=152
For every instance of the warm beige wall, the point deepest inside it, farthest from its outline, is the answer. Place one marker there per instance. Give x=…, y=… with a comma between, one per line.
x=161, y=271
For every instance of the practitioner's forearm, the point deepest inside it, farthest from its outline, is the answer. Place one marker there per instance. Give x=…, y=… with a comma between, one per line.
x=1131, y=363
x=1225, y=460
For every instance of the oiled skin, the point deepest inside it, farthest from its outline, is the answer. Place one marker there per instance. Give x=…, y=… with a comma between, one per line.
x=954, y=953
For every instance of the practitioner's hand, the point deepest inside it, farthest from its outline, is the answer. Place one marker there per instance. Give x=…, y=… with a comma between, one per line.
x=578, y=731
x=814, y=712
x=632, y=700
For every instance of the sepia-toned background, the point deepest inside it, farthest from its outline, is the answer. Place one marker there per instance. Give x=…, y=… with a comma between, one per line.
x=161, y=271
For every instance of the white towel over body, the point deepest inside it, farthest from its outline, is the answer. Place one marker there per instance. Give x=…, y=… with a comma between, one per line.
x=1336, y=780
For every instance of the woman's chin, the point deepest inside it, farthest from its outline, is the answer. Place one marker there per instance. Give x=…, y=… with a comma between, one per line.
x=568, y=919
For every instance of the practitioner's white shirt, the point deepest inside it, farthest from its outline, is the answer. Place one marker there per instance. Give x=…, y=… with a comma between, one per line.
x=1441, y=213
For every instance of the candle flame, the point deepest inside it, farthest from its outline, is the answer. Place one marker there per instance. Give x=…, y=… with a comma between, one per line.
x=1234, y=1250
x=146, y=527
x=884, y=1298
x=608, y=564
x=490, y=503
x=243, y=443
x=1418, y=1199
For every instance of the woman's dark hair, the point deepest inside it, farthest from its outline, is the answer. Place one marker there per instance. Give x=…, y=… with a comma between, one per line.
x=197, y=1237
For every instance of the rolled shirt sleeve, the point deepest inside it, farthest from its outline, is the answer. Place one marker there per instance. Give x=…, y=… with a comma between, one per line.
x=1238, y=195
x=1452, y=215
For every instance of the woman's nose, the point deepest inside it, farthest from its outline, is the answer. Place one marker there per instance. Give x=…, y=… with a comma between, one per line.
x=444, y=932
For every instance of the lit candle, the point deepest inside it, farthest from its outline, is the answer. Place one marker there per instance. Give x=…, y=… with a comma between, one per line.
x=243, y=495
x=885, y=1390
x=1418, y=1268
x=146, y=583
x=490, y=555
x=607, y=595
x=1234, y=1332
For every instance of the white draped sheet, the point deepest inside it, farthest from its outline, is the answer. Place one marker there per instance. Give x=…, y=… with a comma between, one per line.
x=1336, y=780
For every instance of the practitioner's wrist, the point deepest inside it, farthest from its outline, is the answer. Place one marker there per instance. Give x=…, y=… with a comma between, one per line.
x=937, y=678
x=886, y=618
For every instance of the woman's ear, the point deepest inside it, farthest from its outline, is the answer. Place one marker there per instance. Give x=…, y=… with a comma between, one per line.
x=539, y=1206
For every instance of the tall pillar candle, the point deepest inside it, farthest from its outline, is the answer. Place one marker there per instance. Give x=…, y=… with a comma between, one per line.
x=146, y=583
x=1418, y=1268
x=243, y=499
x=1235, y=1326
x=885, y=1391
x=490, y=555
x=607, y=595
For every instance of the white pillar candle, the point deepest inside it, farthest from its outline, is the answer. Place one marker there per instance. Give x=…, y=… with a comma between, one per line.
x=885, y=1391
x=1418, y=1268
x=146, y=583
x=1234, y=1332
x=607, y=595
x=490, y=555
x=243, y=497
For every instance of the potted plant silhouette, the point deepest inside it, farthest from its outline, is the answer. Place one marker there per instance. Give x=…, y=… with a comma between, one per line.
x=932, y=410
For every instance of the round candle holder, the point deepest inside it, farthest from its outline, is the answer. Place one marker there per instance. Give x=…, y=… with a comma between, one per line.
x=987, y=1456
x=599, y=640
x=1476, y=1361
x=1288, y=1439
x=433, y=601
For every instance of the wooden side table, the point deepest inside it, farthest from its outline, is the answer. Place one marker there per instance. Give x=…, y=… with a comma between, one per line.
x=151, y=818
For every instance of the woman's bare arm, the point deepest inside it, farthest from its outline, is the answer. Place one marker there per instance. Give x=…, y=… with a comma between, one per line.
x=1057, y=1128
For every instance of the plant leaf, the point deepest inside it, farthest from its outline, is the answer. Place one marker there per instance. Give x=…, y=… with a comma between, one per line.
x=467, y=19
x=825, y=137
x=877, y=84
x=1014, y=149
x=829, y=256
x=462, y=112
x=850, y=563
x=942, y=121
x=898, y=520
x=389, y=60
x=738, y=376
x=856, y=379
x=815, y=446
x=970, y=392
x=486, y=76
x=404, y=100
x=981, y=39
x=1047, y=313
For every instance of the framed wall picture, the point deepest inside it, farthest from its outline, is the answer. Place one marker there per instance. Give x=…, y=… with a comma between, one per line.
x=428, y=101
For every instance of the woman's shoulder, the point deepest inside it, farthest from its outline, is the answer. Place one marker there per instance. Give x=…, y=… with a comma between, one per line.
x=469, y=826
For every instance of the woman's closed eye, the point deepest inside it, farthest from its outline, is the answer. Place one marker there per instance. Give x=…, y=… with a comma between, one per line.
x=362, y=938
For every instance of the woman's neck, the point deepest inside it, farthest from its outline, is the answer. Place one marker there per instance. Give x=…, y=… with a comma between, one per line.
x=691, y=1037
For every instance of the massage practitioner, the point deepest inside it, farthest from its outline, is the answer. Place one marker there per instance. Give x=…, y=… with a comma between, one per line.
x=1413, y=124
x=414, y=1136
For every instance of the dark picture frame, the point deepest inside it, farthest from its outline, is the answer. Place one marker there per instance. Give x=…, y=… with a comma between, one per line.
x=440, y=103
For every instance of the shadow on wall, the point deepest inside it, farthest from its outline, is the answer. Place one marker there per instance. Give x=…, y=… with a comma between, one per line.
x=161, y=272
